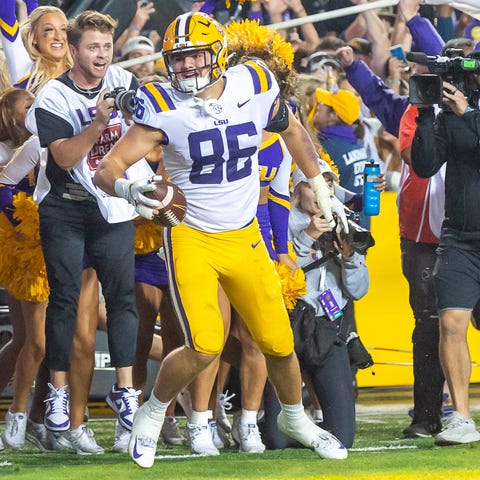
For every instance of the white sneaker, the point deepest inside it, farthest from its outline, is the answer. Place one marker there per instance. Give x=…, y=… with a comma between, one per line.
x=147, y=425
x=312, y=436
x=124, y=402
x=171, y=433
x=250, y=439
x=121, y=438
x=83, y=441
x=217, y=440
x=456, y=430
x=40, y=436
x=15, y=427
x=200, y=439
x=59, y=440
x=222, y=406
x=57, y=411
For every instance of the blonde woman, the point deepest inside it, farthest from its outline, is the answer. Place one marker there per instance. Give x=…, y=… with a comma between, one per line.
x=37, y=50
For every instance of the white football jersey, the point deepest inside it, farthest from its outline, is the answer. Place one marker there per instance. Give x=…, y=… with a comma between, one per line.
x=211, y=147
x=60, y=111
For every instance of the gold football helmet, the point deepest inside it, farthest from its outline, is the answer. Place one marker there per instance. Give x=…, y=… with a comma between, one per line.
x=195, y=32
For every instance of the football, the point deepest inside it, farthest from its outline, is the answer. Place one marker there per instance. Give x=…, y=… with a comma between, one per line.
x=173, y=203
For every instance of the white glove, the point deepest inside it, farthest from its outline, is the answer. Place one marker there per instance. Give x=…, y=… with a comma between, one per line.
x=323, y=196
x=133, y=192
x=339, y=210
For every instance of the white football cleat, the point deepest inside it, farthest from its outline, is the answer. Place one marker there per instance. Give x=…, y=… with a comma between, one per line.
x=147, y=425
x=200, y=439
x=323, y=443
x=250, y=438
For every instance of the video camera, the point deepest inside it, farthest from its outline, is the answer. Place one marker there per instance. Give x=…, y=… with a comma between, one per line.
x=124, y=99
x=357, y=237
x=453, y=67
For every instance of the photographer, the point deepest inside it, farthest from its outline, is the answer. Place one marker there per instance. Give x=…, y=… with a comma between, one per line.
x=318, y=316
x=453, y=137
x=78, y=122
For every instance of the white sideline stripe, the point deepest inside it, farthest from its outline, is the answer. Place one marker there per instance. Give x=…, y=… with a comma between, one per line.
x=366, y=449
x=376, y=449
x=167, y=457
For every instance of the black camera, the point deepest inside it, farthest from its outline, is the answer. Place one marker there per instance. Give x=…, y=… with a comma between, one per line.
x=124, y=99
x=359, y=238
x=357, y=353
x=452, y=67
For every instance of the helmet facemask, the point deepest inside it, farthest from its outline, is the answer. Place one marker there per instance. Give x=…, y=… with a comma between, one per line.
x=190, y=34
x=195, y=79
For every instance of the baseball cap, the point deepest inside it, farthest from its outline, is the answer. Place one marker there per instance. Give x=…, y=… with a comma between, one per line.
x=360, y=46
x=321, y=60
x=136, y=43
x=298, y=176
x=344, y=102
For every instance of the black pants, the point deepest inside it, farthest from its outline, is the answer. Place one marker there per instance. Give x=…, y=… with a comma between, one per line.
x=68, y=230
x=418, y=260
x=332, y=382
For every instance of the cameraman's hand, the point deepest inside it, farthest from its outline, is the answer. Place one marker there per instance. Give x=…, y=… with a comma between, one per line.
x=105, y=106
x=338, y=209
x=323, y=196
x=318, y=226
x=343, y=246
x=454, y=98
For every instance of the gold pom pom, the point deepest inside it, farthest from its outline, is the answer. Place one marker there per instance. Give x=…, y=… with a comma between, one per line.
x=148, y=237
x=249, y=38
x=23, y=273
x=293, y=285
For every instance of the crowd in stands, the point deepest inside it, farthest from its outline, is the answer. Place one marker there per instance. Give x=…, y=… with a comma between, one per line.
x=326, y=97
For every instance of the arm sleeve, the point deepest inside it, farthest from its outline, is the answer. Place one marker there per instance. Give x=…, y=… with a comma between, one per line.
x=23, y=161
x=18, y=61
x=301, y=242
x=355, y=276
x=278, y=208
x=279, y=203
x=426, y=38
x=429, y=144
x=50, y=127
x=383, y=102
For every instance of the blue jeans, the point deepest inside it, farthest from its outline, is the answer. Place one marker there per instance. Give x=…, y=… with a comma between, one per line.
x=68, y=230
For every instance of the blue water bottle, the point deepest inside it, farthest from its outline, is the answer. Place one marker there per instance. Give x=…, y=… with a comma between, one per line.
x=371, y=196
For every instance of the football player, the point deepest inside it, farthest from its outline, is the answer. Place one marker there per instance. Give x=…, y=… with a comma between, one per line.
x=210, y=121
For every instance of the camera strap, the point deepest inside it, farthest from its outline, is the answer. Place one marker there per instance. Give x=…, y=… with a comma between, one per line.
x=318, y=262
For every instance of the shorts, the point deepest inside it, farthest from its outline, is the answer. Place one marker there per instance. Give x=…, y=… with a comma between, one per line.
x=198, y=261
x=457, y=278
x=151, y=269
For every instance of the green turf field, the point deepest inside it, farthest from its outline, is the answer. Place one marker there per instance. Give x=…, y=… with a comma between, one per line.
x=379, y=452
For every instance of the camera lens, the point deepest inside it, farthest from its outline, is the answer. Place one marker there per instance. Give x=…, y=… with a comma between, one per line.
x=125, y=101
